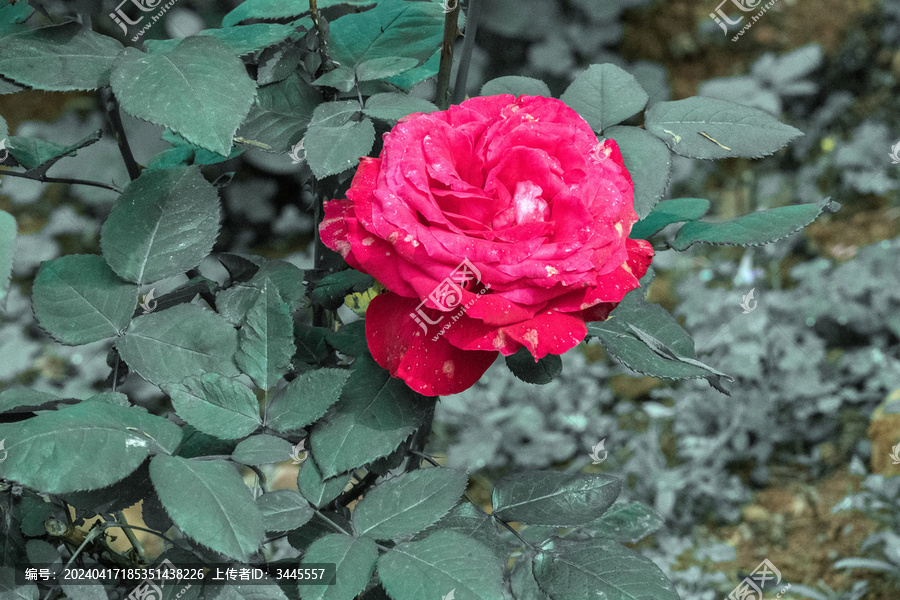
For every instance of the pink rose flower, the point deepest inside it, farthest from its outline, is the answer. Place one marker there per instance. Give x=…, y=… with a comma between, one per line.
x=498, y=224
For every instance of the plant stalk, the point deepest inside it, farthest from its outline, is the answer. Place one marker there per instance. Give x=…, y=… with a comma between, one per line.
x=451, y=32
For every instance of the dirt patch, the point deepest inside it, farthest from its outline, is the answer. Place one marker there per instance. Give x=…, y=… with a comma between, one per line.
x=670, y=33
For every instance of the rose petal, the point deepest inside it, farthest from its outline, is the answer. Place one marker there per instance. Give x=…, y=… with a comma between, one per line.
x=426, y=361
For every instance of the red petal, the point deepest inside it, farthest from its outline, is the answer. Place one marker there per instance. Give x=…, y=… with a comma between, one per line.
x=427, y=362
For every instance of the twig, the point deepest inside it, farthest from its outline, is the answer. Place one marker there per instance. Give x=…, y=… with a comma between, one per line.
x=112, y=110
x=327, y=63
x=451, y=32
x=135, y=543
x=462, y=75
x=204, y=291
x=347, y=497
x=45, y=179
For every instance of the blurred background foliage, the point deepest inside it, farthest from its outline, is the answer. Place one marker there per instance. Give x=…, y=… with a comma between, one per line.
x=794, y=466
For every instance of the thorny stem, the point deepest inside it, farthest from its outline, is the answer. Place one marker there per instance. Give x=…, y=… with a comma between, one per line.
x=135, y=543
x=451, y=31
x=112, y=109
x=45, y=179
x=462, y=75
x=360, y=488
x=204, y=292
x=327, y=63
x=419, y=437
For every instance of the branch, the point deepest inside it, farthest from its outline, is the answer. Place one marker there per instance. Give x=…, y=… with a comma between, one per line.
x=451, y=31
x=360, y=488
x=112, y=110
x=45, y=179
x=462, y=75
x=327, y=63
x=135, y=543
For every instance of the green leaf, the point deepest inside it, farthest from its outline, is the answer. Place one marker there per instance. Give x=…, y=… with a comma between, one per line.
x=755, y=229
x=215, y=405
x=78, y=299
x=515, y=85
x=32, y=153
x=280, y=9
x=674, y=357
x=117, y=398
x=375, y=413
x=407, y=504
x=235, y=302
x=196, y=443
x=179, y=342
x=469, y=520
x=199, y=89
x=386, y=66
x=317, y=490
x=119, y=496
x=736, y=130
x=281, y=114
x=59, y=451
x=164, y=223
x=335, y=114
x=392, y=106
x=266, y=339
x=525, y=367
x=522, y=582
x=10, y=590
x=582, y=570
x=13, y=16
x=331, y=290
x=392, y=28
x=34, y=512
x=209, y=502
x=306, y=399
x=605, y=95
x=405, y=81
x=311, y=345
x=60, y=58
x=24, y=397
x=667, y=212
x=183, y=153
x=628, y=522
x=554, y=498
x=262, y=450
x=444, y=562
x=648, y=161
x=342, y=79
x=349, y=339
x=331, y=150
x=278, y=62
x=7, y=249
x=283, y=510
x=242, y=40
x=354, y=559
